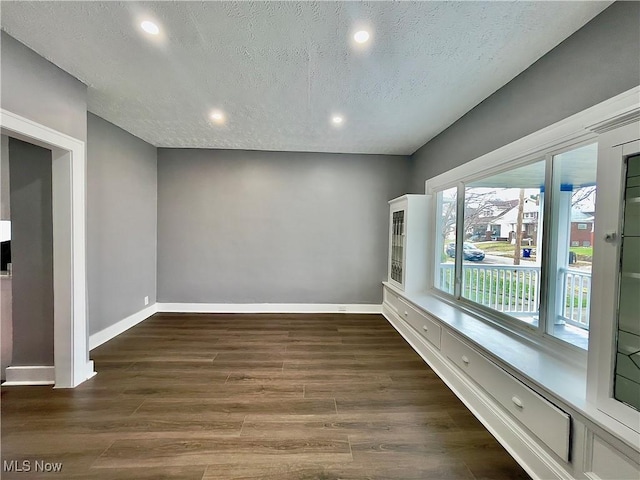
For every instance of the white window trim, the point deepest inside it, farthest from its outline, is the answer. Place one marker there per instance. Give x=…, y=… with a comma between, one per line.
x=538, y=334
x=560, y=136
x=615, y=145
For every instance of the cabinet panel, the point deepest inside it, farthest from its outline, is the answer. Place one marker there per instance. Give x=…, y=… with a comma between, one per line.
x=542, y=418
x=630, y=305
x=396, y=270
x=609, y=464
x=392, y=300
x=426, y=327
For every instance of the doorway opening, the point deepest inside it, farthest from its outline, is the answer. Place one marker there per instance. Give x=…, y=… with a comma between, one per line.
x=71, y=355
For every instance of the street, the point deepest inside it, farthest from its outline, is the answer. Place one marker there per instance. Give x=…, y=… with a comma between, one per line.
x=500, y=260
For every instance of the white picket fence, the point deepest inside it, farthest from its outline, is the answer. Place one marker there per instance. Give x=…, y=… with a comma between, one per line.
x=515, y=289
x=577, y=289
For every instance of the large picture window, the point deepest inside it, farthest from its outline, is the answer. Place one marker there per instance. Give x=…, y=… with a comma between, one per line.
x=501, y=255
x=446, y=239
x=574, y=197
x=494, y=232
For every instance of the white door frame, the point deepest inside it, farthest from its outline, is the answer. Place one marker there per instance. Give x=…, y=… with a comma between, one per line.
x=71, y=353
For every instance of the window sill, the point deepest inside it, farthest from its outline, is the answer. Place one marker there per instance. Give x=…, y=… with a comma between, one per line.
x=560, y=376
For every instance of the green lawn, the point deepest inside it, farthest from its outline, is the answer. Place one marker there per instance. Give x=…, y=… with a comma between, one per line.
x=504, y=249
x=495, y=246
x=583, y=252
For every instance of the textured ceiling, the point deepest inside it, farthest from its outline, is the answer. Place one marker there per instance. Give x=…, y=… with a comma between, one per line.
x=279, y=70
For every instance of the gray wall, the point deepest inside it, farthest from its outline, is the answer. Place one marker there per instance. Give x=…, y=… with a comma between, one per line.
x=273, y=227
x=6, y=319
x=598, y=62
x=5, y=203
x=31, y=253
x=121, y=223
x=36, y=89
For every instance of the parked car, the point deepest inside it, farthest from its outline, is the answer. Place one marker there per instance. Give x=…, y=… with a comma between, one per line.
x=469, y=251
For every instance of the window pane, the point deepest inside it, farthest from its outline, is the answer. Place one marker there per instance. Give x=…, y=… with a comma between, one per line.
x=574, y=197
x=397, y=246
x=501, y=269
x=446, y=240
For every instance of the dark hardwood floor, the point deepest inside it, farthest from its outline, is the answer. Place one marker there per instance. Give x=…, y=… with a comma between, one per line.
x=253, y=397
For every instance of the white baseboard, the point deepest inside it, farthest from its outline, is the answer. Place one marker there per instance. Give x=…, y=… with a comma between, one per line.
x=267, y=308
x=123, y=325
x=36, y=375
x=30, y=375
x=90, y=370
x=535, y=460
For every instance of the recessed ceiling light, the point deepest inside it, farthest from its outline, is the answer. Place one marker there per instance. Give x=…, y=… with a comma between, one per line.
x=361, y=37
x=337, y=119
x=217, y=116
x=150, y=27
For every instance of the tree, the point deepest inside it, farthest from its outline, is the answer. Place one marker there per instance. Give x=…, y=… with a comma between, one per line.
x=584, y=195
x=476, y=203
x=448, y=221
x=516, y=252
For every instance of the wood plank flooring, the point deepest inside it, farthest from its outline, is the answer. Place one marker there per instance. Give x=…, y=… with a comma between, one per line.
x=284, y=397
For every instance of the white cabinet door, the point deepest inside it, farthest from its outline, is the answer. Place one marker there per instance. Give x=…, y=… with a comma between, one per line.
x=407, y=243
x=614, y=379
